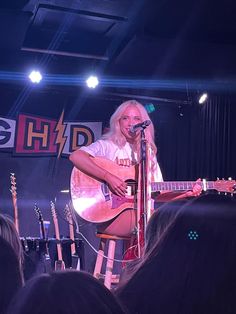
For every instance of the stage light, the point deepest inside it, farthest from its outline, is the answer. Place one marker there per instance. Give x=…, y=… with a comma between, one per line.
x=149, y=107
x=92, y=81
x=202, y=98
x=35, y=77
x=65, y=191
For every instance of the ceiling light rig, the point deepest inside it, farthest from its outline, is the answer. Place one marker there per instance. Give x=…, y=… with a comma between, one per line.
x=202, y=99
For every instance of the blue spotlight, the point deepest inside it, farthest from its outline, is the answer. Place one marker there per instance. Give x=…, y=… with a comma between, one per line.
x=92, y=81
x=35, y=77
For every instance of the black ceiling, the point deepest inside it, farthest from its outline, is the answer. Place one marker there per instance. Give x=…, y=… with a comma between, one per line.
x=176, y=44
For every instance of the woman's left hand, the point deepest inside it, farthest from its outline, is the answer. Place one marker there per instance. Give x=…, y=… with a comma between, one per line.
x=196, y=191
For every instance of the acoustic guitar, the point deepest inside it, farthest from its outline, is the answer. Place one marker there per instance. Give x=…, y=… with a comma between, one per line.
x=59, y=263
x=94, y=202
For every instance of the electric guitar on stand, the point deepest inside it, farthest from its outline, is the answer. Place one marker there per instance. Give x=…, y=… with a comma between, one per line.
x=14, y=201
x=69, y=219
x=43, y=233
x=40, y=219
x=59, y=263
x=74, y=255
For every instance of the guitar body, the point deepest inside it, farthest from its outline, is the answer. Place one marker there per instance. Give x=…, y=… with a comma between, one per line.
x=93, y=200
x=59, y=265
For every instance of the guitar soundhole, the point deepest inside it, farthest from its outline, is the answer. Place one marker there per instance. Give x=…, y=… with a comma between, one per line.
x=131, y=189
x=105, y=191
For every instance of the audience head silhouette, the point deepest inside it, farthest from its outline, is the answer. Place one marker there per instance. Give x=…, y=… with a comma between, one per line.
x=65, y=292
x=191, y=269
x=10, y=274
x=159, y=223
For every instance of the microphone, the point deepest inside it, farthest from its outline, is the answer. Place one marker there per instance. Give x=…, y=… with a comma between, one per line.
x=142, y=125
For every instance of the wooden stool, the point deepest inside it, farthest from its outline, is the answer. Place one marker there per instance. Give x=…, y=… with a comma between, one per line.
x=108, y=278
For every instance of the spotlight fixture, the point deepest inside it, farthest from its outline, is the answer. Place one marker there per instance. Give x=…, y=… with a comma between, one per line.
x=35, y=77
x=92, y=81
x=202, y=98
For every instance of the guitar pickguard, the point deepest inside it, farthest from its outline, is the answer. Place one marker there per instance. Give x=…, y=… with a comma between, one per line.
x=118, y=201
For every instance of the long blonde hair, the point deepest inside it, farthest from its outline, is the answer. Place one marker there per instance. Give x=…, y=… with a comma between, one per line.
x=115, y=135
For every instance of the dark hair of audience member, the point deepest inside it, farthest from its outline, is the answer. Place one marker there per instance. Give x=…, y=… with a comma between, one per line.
x=10, y=274
x=192, y=268
x=65, y=292
x=9, y=233
x=159, y=222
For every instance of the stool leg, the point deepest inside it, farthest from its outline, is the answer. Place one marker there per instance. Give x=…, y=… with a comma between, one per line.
x=99, y=259
x=110, y=262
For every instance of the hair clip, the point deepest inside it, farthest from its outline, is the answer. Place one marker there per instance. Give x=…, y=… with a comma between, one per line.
x=193, y=235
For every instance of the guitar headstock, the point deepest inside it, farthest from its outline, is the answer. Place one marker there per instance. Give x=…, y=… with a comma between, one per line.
x=226, y=186
x=68, y=214
x=38, y=213
x=53, y=210
x=13, y=184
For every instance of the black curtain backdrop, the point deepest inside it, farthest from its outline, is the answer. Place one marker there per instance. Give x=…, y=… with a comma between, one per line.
x=197, y=141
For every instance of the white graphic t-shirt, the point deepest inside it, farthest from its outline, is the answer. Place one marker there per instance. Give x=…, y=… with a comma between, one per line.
x=124, y=156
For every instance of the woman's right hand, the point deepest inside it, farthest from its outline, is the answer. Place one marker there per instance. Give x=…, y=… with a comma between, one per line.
x=116, y=185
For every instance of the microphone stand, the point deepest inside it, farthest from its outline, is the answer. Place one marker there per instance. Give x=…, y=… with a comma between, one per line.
x=143, y=181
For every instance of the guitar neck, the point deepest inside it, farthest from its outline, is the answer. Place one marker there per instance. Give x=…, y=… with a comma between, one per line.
x=16, y=218
x=14, y=201
x=72, y=237
x=57, y=234
x=42, y=230
x=181, y=185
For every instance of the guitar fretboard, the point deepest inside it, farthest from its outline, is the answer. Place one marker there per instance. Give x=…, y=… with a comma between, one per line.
x=181, y=185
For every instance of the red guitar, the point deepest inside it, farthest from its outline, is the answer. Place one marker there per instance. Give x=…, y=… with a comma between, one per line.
x=94, y=202
x=14, y=201
x=59, y=263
